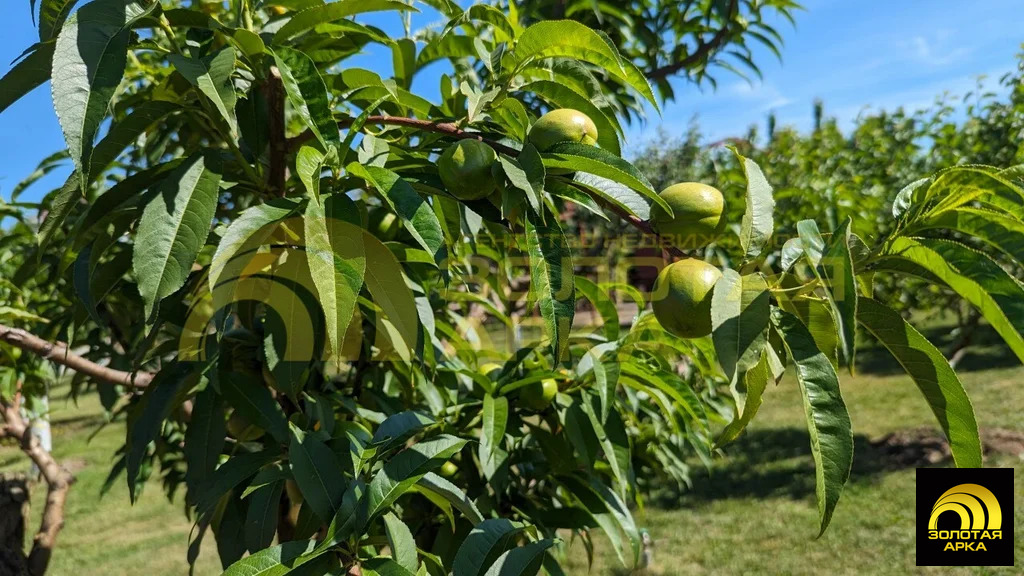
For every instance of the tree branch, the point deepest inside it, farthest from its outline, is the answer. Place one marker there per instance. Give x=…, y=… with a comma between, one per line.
x=273, y=92
x=699, y=54
x=449, y=128
x=58, y=352
x=58, y=482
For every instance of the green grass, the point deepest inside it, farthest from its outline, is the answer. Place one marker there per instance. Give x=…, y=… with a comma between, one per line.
x=108, y=535
x=754, y=514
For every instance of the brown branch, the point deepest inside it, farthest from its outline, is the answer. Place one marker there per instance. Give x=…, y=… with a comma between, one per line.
x=273, y=92
x=449, y=128
x=58, y=482
x=58, y=352
x=699, y=54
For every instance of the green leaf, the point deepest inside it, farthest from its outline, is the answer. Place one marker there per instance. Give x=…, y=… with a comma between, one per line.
x=611, y=514
x=123, y=198
x=957, y=186
x=403, y=59
x=174, y=228
x=88, y=64
x=311, y=17
x=386, y=283
x=63, y=202
x=146, y=418
x=817, y=316
x=484, y=543
x=611, y=435
x=212, y=76
x=356, y=128
x=318, y=473
x=669, y=383
x=204, y=438
x=792, y=251
x=503, y=28
x=603, y=304
x=569, y=39
x=526, y=173
x=250, y=43
x=231, y=474
x=740, y=314
x=758, y=220
x=398, y=428
x=996, y=229
x=250, y=230
x=833, y=269
x=264, y=478
x=593, y=160
x=403, y=547
x=551, y=283
x=936, y=380
x=748, y=391
x=351, y=517
x=417, y=216
x=307, y=93
x=125, y=132
x=492, y=434
x=26, y=75
x=384, y=566
x=614, y=193
x=445, y=489
x=337, y=263
x=606, y=376
x=560, y=189
x=521, y=561
x=972, y=275
x=828, y=422
x=255, y=404
x=837, y=263
x=7, y=313
x=280, y=560
x=450, y=46
x=52, y=15
x=261, y=516
x=309, y=164
x=905, y=197
x=406, y=469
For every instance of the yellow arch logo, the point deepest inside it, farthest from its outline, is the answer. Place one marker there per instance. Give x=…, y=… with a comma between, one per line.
x=976, y=505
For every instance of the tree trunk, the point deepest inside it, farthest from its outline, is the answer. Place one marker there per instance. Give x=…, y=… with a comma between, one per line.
x=13, y=514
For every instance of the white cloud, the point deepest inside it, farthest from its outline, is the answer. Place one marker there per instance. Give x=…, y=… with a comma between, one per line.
x=939, y=48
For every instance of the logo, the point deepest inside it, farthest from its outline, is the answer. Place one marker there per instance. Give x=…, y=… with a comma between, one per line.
x=965, y=517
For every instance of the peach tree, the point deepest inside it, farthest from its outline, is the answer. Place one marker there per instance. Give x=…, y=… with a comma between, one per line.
x=346, y=320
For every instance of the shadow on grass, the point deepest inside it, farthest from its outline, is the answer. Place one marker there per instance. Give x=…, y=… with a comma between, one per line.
x=777, y=463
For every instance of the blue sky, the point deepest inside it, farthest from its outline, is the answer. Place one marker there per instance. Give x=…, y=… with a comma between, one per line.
x=853, y=55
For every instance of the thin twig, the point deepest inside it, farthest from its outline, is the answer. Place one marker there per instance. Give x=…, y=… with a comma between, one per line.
x=699, y=54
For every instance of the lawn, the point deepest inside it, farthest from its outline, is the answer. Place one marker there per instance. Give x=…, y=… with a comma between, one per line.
x=753, y=514
x=107, y=535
